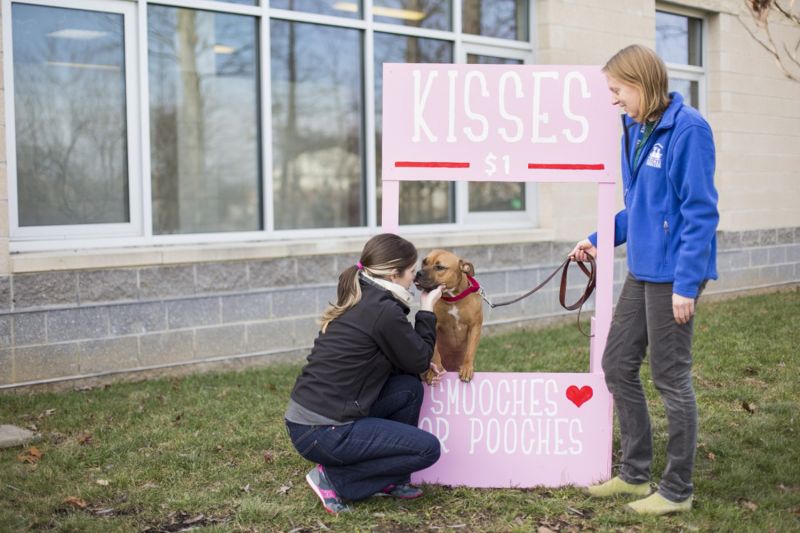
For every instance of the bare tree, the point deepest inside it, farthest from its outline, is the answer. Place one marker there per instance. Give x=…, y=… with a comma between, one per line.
x=785, y=50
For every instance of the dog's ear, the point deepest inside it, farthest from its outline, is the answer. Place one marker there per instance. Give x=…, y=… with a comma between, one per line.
x=467, y=267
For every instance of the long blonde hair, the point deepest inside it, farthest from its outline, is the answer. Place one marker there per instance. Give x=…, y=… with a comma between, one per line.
x=641, y=67
x=383, y=255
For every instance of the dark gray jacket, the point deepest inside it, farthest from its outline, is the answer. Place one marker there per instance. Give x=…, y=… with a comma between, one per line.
x=351, y=362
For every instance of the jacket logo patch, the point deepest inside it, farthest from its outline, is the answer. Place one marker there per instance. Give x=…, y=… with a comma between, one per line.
x=654, y=158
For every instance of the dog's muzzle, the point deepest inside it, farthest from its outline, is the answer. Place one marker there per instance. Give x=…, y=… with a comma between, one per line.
x=422, y=283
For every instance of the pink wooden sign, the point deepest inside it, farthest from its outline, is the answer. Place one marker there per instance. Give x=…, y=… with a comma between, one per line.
x=518, y=430
x=498, y=123
x=511, y=123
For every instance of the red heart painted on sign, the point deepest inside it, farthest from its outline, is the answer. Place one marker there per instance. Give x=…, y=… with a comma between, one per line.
x=579, y=396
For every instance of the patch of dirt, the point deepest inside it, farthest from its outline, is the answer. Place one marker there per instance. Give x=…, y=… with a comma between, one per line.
x=182, y=521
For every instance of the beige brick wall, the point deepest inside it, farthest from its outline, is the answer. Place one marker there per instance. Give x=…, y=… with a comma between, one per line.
x=755, y=113
x=4, y=254
x=753, y=109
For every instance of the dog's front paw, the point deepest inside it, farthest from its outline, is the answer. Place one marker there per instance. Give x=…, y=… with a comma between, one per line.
x=465, y=373
x=434, y=375
x=429, y=377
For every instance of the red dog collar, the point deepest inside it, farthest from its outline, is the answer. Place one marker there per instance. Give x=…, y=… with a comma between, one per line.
x=474, y=286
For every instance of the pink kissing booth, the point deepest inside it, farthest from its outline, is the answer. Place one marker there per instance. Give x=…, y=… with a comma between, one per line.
x=535, y=123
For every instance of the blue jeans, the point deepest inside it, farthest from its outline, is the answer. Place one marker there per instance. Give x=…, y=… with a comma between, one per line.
x=643, y=318
x=366, y=456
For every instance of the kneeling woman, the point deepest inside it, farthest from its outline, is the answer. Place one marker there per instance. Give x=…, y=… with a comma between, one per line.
x=355, y=407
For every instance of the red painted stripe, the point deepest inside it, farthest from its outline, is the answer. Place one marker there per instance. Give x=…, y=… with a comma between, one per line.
x=565, y=166
x=430, y=164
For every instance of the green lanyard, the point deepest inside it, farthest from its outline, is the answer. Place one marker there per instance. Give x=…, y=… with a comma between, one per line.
x=646, y=131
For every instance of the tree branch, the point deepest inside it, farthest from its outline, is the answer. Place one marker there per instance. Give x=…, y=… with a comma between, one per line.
x=759, y=11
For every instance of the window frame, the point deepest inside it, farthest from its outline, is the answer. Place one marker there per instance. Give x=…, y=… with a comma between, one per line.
x=20, y=234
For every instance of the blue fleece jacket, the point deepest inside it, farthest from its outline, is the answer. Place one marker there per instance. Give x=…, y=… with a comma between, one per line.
x=670, y=217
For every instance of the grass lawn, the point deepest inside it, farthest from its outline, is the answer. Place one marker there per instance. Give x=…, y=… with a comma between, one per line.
x=210, y=451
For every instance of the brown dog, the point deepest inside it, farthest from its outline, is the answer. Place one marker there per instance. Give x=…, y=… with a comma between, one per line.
x=459, y=313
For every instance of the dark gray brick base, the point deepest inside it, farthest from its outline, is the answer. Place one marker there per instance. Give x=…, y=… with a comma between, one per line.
x=65, y=325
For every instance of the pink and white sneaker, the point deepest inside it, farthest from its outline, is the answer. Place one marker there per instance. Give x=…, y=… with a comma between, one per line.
x=403, y=491
x=323, y=488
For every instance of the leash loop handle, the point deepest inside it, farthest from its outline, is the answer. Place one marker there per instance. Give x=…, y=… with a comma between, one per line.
x=591, y=282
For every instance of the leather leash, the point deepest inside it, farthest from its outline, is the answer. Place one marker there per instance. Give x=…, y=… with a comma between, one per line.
x=562, y=291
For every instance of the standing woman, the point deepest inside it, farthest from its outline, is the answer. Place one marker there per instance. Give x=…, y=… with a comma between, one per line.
x=669, y=224
x=355, y=407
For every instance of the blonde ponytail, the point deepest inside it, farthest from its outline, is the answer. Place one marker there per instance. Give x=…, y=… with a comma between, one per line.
x=348, y=295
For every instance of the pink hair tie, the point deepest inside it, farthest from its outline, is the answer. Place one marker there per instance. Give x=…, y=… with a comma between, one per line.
x=359, y=266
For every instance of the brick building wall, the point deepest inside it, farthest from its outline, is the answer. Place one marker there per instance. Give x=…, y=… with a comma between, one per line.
x=79, y=323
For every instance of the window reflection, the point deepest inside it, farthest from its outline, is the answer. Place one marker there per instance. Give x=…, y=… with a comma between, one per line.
x=336, y=8
x=688, y=89
x=204, y=111
x=431, y=14
x=488, y=196
x=491, y=60
x=316, y=125
x=504, y=19
x=71, y=129
x=421, y=202
x=679, y=39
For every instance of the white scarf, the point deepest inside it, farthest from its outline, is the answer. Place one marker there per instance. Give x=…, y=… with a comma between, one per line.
x=397, y=291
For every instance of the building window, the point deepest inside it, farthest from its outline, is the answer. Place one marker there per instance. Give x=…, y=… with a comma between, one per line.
x=345, y=8
x=70, y=117
x=431, y=14
x=504, y=19
x=204, y=116
x=420, y=202
x=679, y=42
x=245, y=120
x=317, y=167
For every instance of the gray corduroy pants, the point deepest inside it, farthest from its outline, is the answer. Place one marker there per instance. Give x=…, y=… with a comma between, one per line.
x=643, y=318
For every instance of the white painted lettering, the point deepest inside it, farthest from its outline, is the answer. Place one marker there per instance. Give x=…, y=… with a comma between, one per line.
x=485, y=397
x=453, y=388
x=575, y=429
x=558, y=440
x=534, y=401
x=419, y=105
x=451, y=106
x=504, y=78
x=529, y=437
x=469, y=394
x=503, y=403
x=550, y=393
x=519, y=399
x=473, y=74
x=539, y=117
x=492, y=432
x=543, y=441
x=475, y=433
x=439, y=404
x=443, y=432
x=565, y=102
x=510, y=436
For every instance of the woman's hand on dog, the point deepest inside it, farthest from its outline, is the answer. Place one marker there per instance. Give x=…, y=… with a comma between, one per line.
x=428, y=299
x=434, y=375
x=582, y=250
